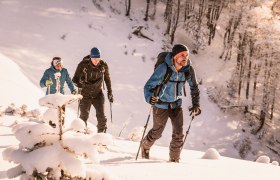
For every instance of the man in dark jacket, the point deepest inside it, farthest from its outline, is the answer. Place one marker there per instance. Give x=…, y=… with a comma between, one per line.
x=89, y=77
x=167, y=103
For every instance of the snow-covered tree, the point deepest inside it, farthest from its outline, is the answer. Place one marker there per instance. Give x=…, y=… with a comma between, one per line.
x=48, y=150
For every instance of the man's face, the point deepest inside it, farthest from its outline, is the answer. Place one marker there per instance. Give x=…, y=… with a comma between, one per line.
x=181, y=58
x=95, y=61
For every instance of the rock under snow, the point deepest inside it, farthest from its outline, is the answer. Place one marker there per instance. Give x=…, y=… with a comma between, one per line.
x=211, y=153
x=78, y=125
x=263, y=159
x=276, y=163
x=102, y=139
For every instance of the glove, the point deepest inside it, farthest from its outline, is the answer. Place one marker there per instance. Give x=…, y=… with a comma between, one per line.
x=110, y=97
x=154, y=100
x=74, y=92
x=49, y=82
x=195, y=110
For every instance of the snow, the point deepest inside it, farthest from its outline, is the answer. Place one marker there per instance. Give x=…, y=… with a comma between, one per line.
x=263, y=159
x=27, y=47
x=211, y=153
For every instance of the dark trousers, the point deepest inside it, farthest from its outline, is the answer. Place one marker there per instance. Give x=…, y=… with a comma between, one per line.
x=160, y=117
x=98, y=103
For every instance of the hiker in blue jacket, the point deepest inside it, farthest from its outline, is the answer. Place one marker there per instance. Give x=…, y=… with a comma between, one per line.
x=48, y=79
x=168, y=99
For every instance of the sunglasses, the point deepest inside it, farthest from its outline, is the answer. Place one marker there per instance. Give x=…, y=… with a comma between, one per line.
x=57, y=61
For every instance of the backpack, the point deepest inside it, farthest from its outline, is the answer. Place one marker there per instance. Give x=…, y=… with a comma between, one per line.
x=160, y=59
x=86, y=59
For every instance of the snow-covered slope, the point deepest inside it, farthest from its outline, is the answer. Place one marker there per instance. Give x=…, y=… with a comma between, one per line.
x=37, y=30
x=15, y=86
x=118, y=162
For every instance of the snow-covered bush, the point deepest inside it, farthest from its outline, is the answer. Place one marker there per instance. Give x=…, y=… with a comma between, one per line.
x=48, y=152
x=12, y=109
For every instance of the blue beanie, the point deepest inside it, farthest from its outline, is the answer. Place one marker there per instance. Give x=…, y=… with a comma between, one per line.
x=94, y=53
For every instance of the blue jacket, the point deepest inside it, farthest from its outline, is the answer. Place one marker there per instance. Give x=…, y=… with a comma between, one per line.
x=49, y=73
x=171, y=93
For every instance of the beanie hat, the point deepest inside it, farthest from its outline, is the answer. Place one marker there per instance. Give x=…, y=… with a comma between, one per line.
x=56, y=61
x=94, y=53
x=177, y=48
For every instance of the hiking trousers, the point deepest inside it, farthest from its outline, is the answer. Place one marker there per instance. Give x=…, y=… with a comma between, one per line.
x=98, y=103
x=160, y=117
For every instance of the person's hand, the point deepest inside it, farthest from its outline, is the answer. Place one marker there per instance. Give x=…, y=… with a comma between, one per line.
x=195, y=110
x=74, y=92
x=49, y=82
x=154, y=100
x=110, y=97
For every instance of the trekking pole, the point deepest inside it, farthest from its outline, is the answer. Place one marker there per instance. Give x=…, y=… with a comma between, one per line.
x=145, y=127
x=155, y=93
x=111, y=112
x=188, y=130
x=49, y=87
x=48, y=90
x=78, y=112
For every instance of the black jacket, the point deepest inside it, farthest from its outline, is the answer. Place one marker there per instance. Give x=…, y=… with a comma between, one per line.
x=89, y=77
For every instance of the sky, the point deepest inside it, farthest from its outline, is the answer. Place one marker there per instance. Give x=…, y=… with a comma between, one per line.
x=27, y=48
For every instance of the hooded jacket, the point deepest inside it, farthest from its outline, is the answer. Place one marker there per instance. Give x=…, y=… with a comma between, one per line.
x=50, y=74
x=170, y=94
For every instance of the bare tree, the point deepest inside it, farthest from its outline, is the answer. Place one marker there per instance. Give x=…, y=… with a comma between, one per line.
x=189, y=8
x=251, y=52
x=168, y=15
x=152, y=16
x=127, y=7
x=214, y=11
x=175, y=22
x=147, y=10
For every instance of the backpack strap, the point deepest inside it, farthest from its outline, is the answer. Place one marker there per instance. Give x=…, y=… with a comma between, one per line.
x=187, y=76
x=164, y=81
x=102, y=64
x=167, y=75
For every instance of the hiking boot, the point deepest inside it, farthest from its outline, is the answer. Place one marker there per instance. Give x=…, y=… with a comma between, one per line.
x=101, y=130
x=145, y=153
x=174, y=160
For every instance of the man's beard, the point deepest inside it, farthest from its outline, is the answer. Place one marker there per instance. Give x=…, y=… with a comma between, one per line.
x=184, y=62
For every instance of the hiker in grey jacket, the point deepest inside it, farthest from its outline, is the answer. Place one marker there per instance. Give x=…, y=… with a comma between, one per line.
x=167, y=102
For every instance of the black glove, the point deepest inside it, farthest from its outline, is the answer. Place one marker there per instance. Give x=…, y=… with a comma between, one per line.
x=110, y=97
x=195, y=110
x=154, y=100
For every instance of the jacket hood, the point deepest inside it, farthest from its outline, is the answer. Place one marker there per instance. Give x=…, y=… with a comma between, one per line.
x=168, y=60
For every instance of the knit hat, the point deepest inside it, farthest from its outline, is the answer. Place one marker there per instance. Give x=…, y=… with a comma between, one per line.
x=177, y=48
x=94, y=53
x=56, y=61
